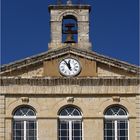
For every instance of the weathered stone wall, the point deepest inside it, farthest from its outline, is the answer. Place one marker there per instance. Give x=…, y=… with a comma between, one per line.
x=102, y=85
x=47, y=108
x=33, y=73
x=2, y=117
x=138, y=116
x=107, y=70
x=88, y=68
x=92, y=96
x=103, y=72
x=39, y=72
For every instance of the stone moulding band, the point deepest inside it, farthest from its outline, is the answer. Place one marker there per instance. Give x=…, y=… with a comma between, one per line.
x=69, y=7
x=104, y=81
x=94, y=117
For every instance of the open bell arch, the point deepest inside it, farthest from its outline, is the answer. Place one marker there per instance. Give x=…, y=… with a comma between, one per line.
x=68, y=13
x=81, y=14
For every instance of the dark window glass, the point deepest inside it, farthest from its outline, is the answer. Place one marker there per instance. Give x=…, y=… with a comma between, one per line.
x=115, y=111
x=69, y=128
x=22, y=128
x=24, y=111
x=70, y=111
x=115, y=126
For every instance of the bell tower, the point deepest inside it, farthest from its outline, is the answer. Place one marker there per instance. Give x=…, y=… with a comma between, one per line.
x=69, y=23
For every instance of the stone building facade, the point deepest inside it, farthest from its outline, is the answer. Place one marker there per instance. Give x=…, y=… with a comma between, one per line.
x=95, y=97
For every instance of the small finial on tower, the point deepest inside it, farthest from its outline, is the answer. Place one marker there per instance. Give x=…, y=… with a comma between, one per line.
x=69, y=2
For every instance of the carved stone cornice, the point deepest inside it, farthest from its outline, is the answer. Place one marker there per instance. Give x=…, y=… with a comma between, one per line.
x=69, y=7
x=84, y=81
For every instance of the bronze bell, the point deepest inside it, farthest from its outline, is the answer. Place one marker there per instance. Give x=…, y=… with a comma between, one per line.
x=69, y=39
x=70, y=33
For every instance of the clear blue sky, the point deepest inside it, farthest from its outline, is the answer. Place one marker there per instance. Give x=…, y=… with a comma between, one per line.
x=114, y=28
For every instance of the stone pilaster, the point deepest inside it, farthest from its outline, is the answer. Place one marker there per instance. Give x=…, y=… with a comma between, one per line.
x=138, y=117
x=2, y=115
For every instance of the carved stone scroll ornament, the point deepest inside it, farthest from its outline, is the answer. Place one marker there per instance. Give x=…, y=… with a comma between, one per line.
x=25, y=99
x=70, y=99
x=116, y=98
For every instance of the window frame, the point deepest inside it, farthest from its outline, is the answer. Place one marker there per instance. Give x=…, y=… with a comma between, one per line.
x=117, y=118
x=70, y=119
x=25, y=119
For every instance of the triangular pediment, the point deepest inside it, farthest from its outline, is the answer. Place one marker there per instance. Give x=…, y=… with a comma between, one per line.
x=34, y=66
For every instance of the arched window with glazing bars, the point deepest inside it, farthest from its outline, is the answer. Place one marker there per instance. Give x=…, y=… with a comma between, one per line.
x=70, y=124
x=116, y=124
x=24, y=124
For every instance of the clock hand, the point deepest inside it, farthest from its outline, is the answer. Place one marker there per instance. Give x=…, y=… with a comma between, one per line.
x=68, y=64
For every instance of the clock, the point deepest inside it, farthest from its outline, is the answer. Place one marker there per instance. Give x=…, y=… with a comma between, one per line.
x=69, y=67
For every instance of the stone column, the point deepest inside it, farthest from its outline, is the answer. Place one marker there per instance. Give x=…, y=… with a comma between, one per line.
x=56, y=31
x=83, y=30
x=2, y=115
x=56, y=35
x=138, y=117
x=8, y=129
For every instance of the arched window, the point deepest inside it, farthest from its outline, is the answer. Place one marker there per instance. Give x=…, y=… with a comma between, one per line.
x=69, y=29
x=24, y=124
x=70, y=124
x=116, y=124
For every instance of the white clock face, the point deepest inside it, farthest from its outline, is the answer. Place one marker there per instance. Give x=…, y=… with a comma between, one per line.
x=69, y=67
